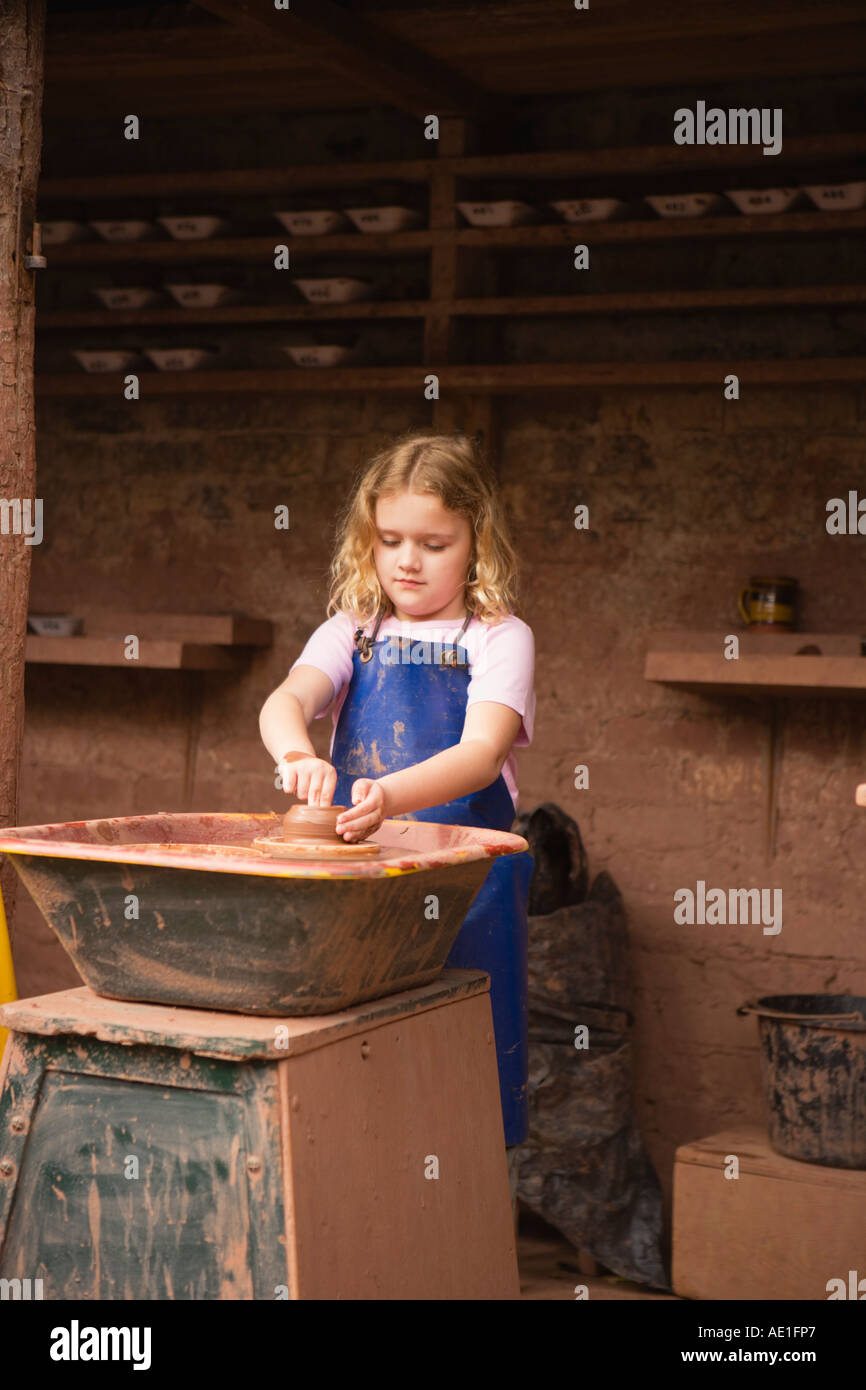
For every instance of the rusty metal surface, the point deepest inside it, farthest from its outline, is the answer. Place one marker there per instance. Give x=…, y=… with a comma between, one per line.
x=249, y=935
x=207, y=1219
x=222, y=842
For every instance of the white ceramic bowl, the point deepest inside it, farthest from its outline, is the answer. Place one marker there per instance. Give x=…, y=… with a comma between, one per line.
x=200, y=296
x=193, y=227
x=316, y=355
x=337, y=289
x=126, y=298
x=178, y=359
x=684, y=204
x=837, y=197
x=589, y=209
x=319, y=222
x=761, y=200
x=105, y=360
x=123, y=229
x=56, y=233
x=504, y=213
x=54, y=625
x=387, y=219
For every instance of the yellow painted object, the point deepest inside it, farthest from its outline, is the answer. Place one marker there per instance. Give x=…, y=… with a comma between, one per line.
x=8, y=992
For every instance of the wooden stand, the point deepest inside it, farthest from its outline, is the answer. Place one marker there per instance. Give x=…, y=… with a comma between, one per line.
x=781, y=1230
x=171, y=1153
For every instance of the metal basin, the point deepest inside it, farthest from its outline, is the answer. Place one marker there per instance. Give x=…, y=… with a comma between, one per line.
x=180, y=909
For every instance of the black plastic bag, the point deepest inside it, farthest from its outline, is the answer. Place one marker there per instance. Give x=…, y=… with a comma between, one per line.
x=584, y=1167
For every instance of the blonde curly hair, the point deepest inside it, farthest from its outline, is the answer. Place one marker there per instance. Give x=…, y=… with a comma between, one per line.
x=447, y=466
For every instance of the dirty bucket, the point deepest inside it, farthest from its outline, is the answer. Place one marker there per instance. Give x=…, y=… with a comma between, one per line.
x=813, y=1061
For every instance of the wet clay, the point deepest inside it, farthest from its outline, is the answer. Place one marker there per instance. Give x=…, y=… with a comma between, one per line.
x=313, y=823
x=309, y=833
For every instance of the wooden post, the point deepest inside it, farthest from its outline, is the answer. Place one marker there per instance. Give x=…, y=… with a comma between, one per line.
x=443, y=259
x=22, y=33
x=455, y=274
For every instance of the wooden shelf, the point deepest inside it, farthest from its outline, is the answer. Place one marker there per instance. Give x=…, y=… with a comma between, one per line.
x=453, y=253
x=240, y=314
x=167, y=641
x=539, y=236
x=247, y=248
x=533, y=236
x=655, y=301
x=223, y=629
x=108, y=651
x=540, y=164
x=768, y=664
x=493, y=379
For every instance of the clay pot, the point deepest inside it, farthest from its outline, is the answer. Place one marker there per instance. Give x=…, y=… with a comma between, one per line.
x=303, y=822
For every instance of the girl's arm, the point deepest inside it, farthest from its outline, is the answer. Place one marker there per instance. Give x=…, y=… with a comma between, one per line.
x=488, y=734
x=283, y=723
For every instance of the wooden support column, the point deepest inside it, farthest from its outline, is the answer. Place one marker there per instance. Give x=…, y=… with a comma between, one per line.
x=438, y=329
x=455, y=274
x=22, y=36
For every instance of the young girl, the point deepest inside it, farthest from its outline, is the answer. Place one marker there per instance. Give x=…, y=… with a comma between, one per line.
x=423, y=560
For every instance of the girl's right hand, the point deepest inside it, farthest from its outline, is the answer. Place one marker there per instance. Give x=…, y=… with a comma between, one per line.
x=308, y=777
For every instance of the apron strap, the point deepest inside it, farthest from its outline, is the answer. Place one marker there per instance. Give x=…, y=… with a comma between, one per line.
x=364, y=644
x=450, y=658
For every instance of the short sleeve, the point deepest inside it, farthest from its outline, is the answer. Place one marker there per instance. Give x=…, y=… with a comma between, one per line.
x=504, y=671
x=329, y=649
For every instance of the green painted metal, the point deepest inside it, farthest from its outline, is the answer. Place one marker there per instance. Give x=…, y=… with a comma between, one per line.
x=140, y=1172
x=196, y=918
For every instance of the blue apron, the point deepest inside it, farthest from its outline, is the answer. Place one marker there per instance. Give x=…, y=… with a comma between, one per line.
x=406, y=702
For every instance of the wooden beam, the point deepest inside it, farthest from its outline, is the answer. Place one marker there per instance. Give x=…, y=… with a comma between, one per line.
x=840, y=148
x=385, y=244
x=834, y=148
x=516, y=306
x=22, y=32
x=443, y=259
x=240, y=182
x=475, y=379
x=393, y=71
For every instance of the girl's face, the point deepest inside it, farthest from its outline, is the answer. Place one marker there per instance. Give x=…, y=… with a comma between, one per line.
x=419, y=539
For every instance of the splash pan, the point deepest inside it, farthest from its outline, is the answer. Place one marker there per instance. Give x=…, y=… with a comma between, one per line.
x=182, y=909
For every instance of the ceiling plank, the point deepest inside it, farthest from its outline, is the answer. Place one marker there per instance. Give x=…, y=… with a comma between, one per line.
x=515, y=22
x=394, y=72
x=499, y=52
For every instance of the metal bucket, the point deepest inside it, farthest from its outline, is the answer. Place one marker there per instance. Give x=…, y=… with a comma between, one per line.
x=813, y=1062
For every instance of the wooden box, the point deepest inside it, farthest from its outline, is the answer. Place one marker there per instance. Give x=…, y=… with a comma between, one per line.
x=151, y=1152
x=781, y=1230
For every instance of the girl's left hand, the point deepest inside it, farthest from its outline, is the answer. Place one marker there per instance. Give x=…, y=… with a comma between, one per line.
x=366, y=813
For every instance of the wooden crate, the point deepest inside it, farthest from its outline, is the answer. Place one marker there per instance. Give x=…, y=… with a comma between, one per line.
x=781, y=1230
x=276, y=1157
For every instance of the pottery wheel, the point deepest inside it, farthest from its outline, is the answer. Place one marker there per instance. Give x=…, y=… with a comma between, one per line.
x=310, y=849
x=309, y=833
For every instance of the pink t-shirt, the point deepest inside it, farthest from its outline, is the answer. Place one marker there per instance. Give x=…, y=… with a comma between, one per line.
x=501, y=665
